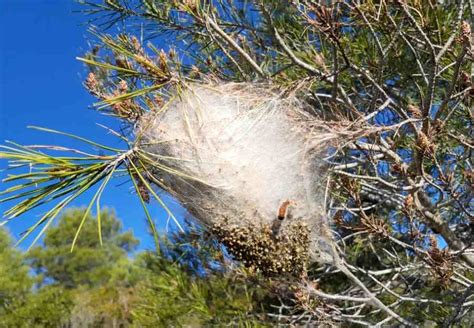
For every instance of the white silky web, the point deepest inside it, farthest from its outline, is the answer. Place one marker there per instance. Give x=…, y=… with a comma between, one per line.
x=237, y=151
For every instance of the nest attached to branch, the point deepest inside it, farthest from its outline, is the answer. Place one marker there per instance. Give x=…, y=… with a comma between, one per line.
x=238, y=158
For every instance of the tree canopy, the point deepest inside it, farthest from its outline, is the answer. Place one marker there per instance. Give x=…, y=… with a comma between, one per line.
x=15, y=281
x=94, y=262
x=180, y=285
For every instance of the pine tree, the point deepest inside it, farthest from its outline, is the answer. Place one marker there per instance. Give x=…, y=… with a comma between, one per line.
x=15, y=283
x=390, y=83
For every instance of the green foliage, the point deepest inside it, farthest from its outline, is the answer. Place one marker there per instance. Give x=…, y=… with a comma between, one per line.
x=109, y=305
x=90, y=285
x=91, y=264
x=170, y=296
x=95, y=285
x=15, y=282
x=50, y=306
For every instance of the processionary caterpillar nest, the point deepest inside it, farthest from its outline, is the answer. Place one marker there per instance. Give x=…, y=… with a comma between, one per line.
x=236, y=154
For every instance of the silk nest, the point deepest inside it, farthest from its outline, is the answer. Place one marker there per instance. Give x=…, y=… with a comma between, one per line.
x=238, y=156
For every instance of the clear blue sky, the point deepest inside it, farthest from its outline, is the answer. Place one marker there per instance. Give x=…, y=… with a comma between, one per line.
x=41, y=84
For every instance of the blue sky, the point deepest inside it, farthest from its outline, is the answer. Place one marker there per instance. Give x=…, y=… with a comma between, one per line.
x=41, y=84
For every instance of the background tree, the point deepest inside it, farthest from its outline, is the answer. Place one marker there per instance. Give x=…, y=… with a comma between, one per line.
x=188, y=284
x=49, y=306
x=91, y=286
x=15, y=282
x=92, y=263
x=184, y=283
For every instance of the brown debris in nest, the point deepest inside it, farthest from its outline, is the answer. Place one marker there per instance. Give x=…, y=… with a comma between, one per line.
x=259, y=249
